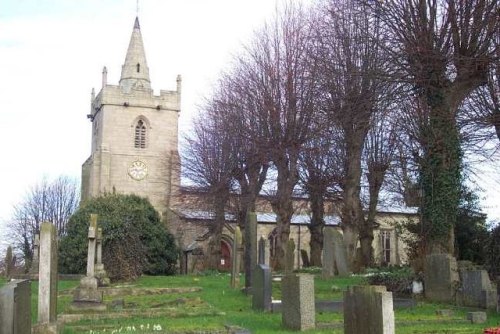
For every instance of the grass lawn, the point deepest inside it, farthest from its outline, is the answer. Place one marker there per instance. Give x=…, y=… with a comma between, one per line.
x=217, y=305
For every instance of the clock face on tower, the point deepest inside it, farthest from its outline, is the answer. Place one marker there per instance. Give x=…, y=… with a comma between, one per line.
x=138, y=170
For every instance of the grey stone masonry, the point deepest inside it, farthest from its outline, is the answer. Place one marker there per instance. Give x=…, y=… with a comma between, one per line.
x=91, y=252
x=87, y=296
x=8, y=262
x=47, y=280
x=262, y=288
x=368, y=310
x=235, y=269
x=36, y=258
x=15, y=307
x=263, y=251
x=340, y=253
x=298, y=308
x=477, y=317
x=100, y=272
x=477, y=290
x=441, y=277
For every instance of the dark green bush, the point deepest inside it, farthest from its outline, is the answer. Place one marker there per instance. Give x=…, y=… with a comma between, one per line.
x=396, y=279
x=135, y=241
x=493, y=252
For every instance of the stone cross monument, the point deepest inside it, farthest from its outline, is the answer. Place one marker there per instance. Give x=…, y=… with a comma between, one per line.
x=36, y=258
x=100, y=272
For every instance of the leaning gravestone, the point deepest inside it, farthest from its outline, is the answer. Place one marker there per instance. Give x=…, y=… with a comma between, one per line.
x=340, y=253
x=298, y=308
x=477, y=290
x=87, y=296
x=47, y=281
x=262, y=281
x=368, y=310
x=15, y=307
x=328, y=270
x=440, y=277
x=235, y=270
x=36, y=250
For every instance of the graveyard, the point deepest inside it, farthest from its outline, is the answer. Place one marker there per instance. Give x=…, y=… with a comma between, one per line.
x=207, y=304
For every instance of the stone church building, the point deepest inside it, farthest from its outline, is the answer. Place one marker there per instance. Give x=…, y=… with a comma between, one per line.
x=134, y=150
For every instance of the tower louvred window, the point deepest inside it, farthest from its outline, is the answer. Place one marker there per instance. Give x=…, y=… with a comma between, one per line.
x=140, y=135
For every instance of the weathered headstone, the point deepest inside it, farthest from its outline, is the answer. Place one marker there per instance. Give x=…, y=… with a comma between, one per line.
x=250, y=248
x=298, y=308
x=340, y=253
x=328, y=270
x=477, y=317
x=15, y=307
x=263, y=257
x=87, y=296
x=36, y=258
x=47, y=281
x=235, y=270
x=262, y=288
x=100, y=272
x=477, y=290
x=289, y=256
x=368, y=309
x=440, y=277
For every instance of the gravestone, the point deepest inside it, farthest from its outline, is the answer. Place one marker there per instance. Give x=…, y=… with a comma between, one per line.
x=47, y=281
x=368, y=310
x=250, y=248
x=477, y=290
x=440, y=277
x=100, y=272
x=289, y=256
x=262, y=288
x=263, y=257
x=328, y=269
x=298, y=308
x=15, y=307
x=340, y=254
x=87, y=296
x=477, y=317
x=36, y=250
x=235, y=269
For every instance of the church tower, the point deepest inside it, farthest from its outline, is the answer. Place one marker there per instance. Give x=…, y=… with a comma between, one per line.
x=134, y=134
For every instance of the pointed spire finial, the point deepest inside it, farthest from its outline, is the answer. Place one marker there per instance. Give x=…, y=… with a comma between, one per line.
x=136, y=24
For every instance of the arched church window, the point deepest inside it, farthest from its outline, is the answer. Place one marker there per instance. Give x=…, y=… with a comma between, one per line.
x=138, y=67
x=140, y=135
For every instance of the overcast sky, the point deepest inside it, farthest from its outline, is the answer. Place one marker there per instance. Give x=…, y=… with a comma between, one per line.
x=52, y=53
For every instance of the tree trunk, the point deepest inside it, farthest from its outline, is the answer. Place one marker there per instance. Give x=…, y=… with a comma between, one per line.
x=440, y=175
x=352, y=210
x=316, y=227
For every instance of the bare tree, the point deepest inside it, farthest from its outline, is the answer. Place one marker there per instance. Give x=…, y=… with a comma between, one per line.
x=351, y=68
x=207, y=162
x=442, y=50
x=53, y=201
x=320, y=173
x=281, y=79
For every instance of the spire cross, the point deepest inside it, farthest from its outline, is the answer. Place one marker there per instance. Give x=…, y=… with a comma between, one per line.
x=137, y=7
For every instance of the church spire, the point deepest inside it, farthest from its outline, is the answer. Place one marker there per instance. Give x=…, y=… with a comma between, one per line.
x=135, y=71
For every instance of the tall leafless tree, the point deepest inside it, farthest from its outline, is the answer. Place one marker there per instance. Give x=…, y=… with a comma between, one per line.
x=281, y=79
x=52, y=201
x=351, y=68
x=208, y=163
